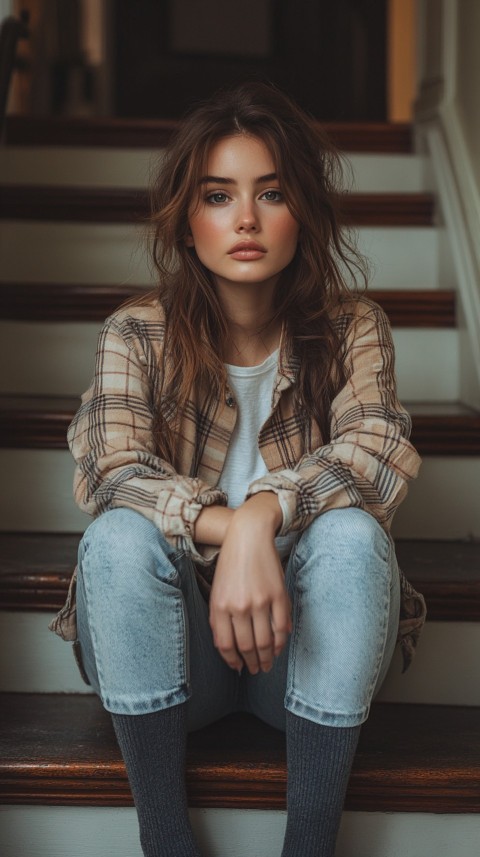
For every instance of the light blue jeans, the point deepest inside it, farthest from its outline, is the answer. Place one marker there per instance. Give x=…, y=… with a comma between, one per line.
x=146, y=642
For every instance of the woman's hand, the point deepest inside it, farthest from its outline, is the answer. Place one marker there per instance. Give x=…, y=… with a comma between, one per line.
x=250, y=611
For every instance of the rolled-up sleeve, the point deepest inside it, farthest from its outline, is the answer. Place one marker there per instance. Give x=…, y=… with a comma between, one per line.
x=369, y=459
x=112, y=441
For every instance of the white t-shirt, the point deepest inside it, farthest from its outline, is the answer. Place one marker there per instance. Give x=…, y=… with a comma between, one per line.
x=252, y=387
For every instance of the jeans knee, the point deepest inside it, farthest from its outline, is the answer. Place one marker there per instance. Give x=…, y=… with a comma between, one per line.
x=115, y=527
x=351, y=534
x=118, y=546
x=349, y=526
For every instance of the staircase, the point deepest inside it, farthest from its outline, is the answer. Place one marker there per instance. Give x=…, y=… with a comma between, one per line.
x=72, y=202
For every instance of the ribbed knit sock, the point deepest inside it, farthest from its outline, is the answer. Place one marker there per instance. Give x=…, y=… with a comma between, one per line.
x=319, y=760
x=153, y=748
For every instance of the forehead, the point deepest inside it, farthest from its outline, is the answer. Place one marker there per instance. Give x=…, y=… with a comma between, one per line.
x=239, y=154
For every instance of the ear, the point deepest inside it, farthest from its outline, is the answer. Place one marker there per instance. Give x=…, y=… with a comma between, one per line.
x=189, y=240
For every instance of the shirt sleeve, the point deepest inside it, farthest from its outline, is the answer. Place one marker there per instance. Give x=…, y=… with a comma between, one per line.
x=369, y=459
x=112, y=441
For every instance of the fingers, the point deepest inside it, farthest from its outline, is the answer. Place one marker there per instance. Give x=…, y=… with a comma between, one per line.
x=234, y=638
x=224, y=640
x=263, y=636
x=281, y=622
x=253, y=638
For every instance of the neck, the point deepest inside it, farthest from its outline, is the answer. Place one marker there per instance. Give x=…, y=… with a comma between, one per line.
x=251, y=349
x=253, y=334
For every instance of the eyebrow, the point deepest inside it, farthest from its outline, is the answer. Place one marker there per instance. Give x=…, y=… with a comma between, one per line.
x=224, y=180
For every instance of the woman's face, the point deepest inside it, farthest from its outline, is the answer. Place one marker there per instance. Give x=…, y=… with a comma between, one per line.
x=240, y=225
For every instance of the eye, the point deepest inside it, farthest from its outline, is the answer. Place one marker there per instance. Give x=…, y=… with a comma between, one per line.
x=216, y=198
x=272, y=196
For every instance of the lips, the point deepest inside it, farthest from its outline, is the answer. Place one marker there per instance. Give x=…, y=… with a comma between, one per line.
x=247, y=251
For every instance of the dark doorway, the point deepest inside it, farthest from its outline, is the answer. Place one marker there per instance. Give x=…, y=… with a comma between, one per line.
x=329, y=54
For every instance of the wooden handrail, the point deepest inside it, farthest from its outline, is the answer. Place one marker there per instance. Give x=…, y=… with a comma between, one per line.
x=11, y=30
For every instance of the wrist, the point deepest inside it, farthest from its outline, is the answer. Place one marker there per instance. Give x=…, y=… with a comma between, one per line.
x=211, y=525
x=261, y=511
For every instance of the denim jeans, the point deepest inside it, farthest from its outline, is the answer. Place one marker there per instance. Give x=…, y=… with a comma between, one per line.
x=146, y=642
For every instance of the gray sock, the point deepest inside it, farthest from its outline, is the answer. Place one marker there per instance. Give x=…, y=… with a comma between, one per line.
x=319, y=763
x=153, y=748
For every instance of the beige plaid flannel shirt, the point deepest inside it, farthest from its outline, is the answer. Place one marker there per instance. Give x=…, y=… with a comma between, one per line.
x=366, y=463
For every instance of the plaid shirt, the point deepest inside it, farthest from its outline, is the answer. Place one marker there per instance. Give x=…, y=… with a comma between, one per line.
x=366, y=463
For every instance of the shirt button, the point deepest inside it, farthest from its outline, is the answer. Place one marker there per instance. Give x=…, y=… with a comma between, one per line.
x=230, y=401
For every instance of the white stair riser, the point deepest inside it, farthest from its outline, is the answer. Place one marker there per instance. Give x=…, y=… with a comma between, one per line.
x=444, y=672
x=77, y=167
x=443, y=503
x=427, y=363
x=74, y=253
x=401, y=257
x=56, y=831
x=374, y=173
x=390, y=173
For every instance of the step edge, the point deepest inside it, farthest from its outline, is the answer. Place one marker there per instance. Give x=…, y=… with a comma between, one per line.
x=154, y=133
x=74, y=302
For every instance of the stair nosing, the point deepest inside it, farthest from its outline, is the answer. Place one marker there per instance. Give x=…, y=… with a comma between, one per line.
x=31, y=426
x=36, y=568
x=131, y=205
x=240, y=762
x=415, y=308
x=378, y=137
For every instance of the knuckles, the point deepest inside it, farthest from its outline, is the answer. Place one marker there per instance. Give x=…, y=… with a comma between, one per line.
x=254, y=603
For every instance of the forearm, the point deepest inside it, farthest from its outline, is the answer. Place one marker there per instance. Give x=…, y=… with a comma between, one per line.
x=262, y=511
x=211, y=525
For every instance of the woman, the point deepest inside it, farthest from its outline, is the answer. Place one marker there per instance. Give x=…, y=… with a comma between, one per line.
x=243, y=450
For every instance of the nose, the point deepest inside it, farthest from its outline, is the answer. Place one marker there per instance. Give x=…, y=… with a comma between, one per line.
x=247, y=218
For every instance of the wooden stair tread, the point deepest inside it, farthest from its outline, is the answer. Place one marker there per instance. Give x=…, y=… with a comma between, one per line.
x=76, y=302
x=127, y=205
x=154, y=133
x=447, y=574
x=35, y=570
x=41, y=422
x=60, y=749
x=35, y=422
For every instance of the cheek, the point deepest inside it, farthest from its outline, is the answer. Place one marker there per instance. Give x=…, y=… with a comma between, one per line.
x=288, y=232
x=205, y=234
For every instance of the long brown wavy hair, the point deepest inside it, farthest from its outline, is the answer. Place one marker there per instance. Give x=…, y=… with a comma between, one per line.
x=324, y=269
